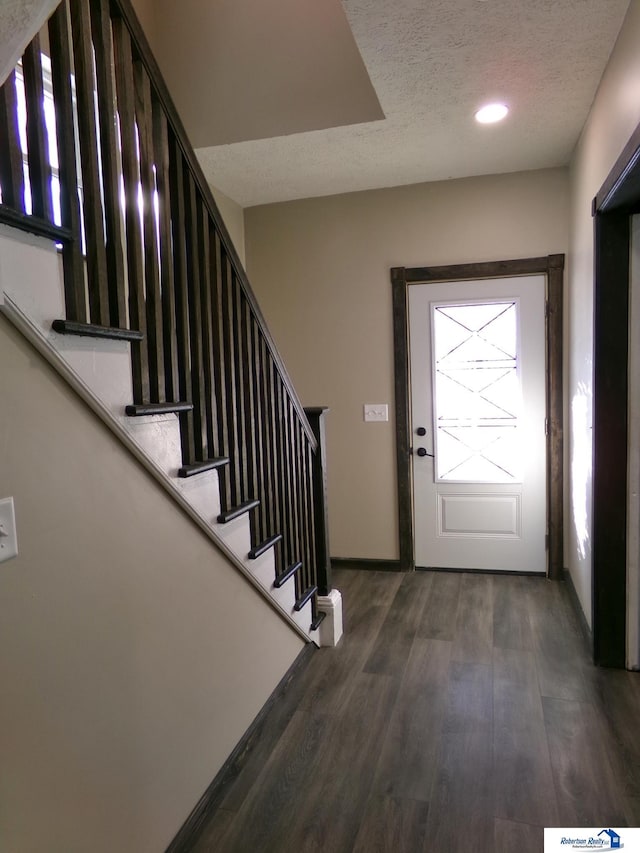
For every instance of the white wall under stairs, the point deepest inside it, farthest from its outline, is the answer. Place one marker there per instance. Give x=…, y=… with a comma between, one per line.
x=31, y=296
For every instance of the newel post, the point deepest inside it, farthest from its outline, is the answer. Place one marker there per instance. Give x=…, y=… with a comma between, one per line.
x=329, y=600
x=316, y=417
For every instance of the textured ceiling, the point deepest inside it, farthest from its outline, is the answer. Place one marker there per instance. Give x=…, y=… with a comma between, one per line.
x=19, y=21
x=432, y=63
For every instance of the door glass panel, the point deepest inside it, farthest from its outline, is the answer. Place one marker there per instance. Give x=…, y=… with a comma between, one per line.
x=476, y=391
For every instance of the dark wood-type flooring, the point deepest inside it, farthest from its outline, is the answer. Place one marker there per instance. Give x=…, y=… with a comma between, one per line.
x=459, y=712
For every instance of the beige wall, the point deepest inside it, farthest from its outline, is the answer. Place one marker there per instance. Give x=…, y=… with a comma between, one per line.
x=132, y=656
x=614, y=116
x=320, y=269
x=233, y=216
x=147, y=15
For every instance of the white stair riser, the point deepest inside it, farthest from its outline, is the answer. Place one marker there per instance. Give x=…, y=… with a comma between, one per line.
x=263, y=569
x=236, y=535
x=104, y=365
x=203, y=492
x=38, y=289
x=159, y=437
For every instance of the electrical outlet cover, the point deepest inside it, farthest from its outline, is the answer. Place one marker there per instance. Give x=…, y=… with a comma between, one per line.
x=8, y=536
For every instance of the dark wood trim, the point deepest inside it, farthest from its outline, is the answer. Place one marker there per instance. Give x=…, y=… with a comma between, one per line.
x=88, y=330
x=316, y=416
x=621, y=188
x=610, y=437
x=362, y=564
x=236, y=511
x=105, y=89
x=37, y=137
x=403, y=416
x=318, y=620
x=617, y=199
x=555, y=414
x=446, y=570
x=95, y=246
x=306, y=596
x=34, y=225
x=152, y=296
x=284, y=576
x=72, y=260
x=490, y=269
x=553, y=267
x=265, y=546
x=11, y=172
x=195, y=468
x=140, y=410
x=163, y=183
x=180, y=307
x=123, y=64
x=187, y=836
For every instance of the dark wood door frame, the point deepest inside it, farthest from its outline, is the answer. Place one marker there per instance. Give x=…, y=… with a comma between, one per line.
x=552, y=266
x=613, y=206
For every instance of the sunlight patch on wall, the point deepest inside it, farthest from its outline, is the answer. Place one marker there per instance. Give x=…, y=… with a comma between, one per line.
x=581, y=466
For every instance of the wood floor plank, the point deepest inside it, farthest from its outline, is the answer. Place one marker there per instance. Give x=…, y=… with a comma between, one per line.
x=471, y=743
x=393, y=644
x=522, y=766
x=461, y=805
x=513, y=837
x=265, y=739
x=558, y=644
x=511, y=625
x=410, y=749
x=347, y=581
x=616, y=696
x=392, y=824
x=213, y=838
x=263, y=820
x=332, y=680
x=440, y=613
x=329, y=815
x=587, y=789
x=473, y=640
x=469, y=706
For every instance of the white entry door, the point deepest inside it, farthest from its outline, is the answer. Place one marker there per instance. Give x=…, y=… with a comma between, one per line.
x=478, y=387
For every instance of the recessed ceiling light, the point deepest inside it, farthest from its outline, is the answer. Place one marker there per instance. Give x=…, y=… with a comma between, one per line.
x=491, y=113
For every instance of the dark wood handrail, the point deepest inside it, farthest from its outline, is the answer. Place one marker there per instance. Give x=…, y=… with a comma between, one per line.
x=147, y=257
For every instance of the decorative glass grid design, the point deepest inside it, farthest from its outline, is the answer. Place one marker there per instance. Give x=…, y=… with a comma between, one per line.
x=477, y=392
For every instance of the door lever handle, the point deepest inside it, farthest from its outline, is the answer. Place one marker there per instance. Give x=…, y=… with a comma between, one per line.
x=421, y=451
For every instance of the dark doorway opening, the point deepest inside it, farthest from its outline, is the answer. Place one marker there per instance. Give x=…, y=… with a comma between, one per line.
x=614, y=205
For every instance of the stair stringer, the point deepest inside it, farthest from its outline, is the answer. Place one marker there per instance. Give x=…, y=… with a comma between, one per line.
x=99, y=371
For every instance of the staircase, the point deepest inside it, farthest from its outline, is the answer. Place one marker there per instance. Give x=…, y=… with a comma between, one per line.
x=130, y=287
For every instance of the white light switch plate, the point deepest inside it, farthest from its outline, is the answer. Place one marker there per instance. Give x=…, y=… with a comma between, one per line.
x=8, y=537
x=376, y=412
